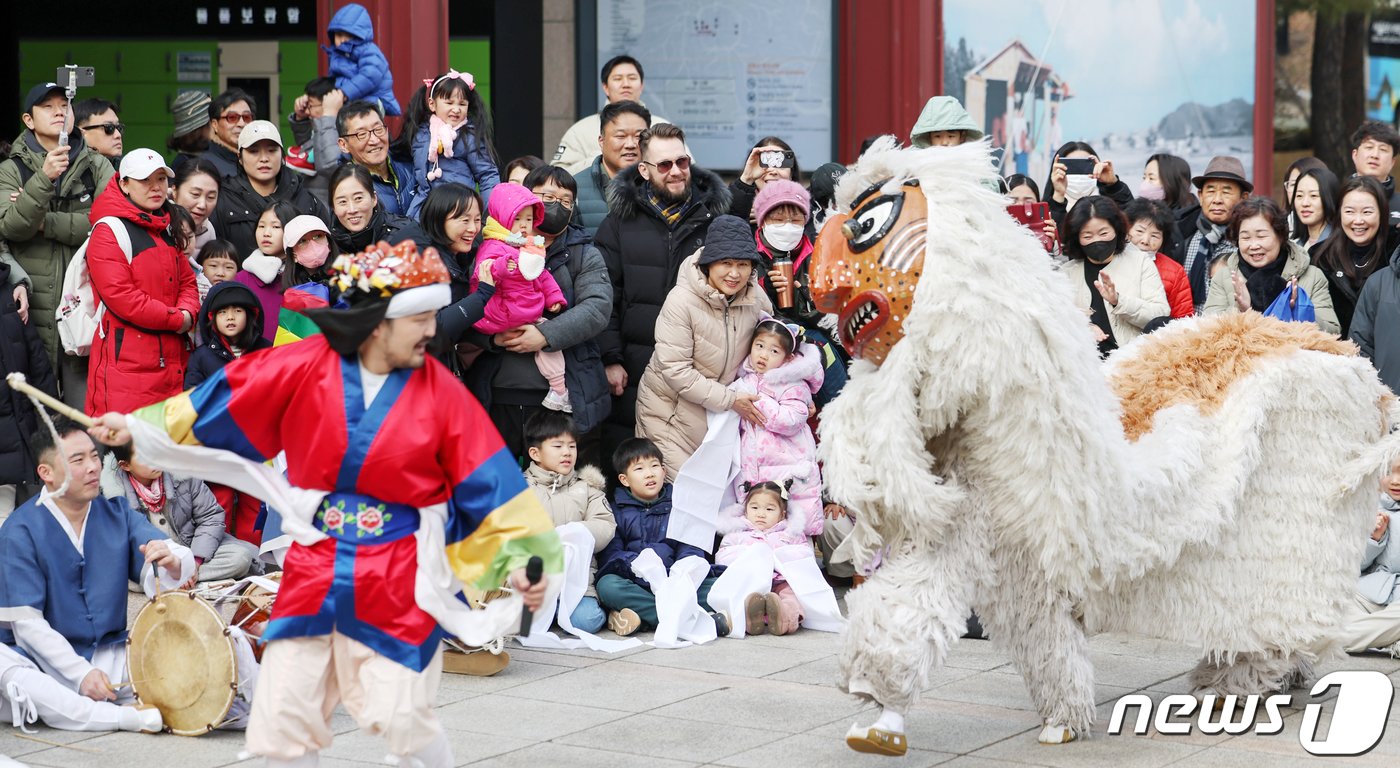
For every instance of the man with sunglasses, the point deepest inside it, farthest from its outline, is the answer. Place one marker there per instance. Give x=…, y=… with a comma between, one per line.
x=102, y=129
x=660, y=212
x=46, y=192
x=229, y=114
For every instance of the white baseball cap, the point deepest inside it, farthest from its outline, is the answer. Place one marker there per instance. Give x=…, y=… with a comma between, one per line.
x=139, y=164
x=300, y=227
x=256, y=131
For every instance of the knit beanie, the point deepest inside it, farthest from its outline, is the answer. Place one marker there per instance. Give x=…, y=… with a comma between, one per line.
x=824, y=183
x=777, y=193
x=191, y=111
x=728, y=237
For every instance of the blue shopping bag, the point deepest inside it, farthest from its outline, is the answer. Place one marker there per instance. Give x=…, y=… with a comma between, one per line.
x=1302, y=313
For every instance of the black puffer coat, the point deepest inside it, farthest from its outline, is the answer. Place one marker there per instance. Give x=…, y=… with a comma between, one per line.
x=240, y=206
x=21, y=351
x=213, y=352
x=643, y=255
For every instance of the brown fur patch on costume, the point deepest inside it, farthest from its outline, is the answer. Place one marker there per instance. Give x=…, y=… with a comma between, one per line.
x=1198, y=366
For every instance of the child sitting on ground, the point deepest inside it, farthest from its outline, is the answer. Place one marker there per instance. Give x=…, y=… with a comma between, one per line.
x=765, y=521
x=642, y=508
x=784, y=372
x=525, y=290
x=1374, y=620
x=570, y=496
x=185, y=509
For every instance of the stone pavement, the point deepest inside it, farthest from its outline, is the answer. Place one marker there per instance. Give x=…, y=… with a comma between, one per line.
x=761, y=702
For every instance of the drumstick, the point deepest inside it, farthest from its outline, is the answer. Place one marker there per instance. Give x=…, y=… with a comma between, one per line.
x=18, y=383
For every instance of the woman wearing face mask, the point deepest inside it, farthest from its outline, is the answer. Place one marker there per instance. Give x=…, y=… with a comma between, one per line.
x=504, y=377
x=1168, y=178
x=309, y=252
x=1116, y=284
x=1067, y=189
x=1265, y=264
x=1363, y=247
x=782, y=210
x=360, y=221
x=1313, y=218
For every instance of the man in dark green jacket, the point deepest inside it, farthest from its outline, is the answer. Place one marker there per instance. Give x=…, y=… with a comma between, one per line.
x=620, y=139
x=46, y=190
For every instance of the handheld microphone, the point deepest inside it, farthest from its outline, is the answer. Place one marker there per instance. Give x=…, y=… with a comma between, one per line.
x=534, y=570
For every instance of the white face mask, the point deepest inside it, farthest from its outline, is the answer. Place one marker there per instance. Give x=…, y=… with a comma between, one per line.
x=1079, y=185
x=784, y=237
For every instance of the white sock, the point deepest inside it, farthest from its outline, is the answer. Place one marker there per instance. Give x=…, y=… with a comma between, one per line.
x=889, y=720
x=133, y=719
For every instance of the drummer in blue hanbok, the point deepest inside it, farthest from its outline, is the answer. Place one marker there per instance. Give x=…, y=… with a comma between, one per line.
x=65, y=558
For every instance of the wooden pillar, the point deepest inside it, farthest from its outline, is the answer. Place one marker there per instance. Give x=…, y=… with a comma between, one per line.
x=891, y=62
x=1264, y=41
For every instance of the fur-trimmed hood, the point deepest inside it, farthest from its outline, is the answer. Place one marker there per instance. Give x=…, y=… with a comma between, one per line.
x=628, y=194
x=804, y=367
x=555, y=482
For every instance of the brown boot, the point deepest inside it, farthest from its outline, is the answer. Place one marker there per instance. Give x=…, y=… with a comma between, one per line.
x=755, y=614
x=775, y=614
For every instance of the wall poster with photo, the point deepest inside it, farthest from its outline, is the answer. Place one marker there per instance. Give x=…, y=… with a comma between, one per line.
x=1132, y=78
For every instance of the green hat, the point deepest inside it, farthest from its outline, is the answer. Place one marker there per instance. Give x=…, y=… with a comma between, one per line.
x=943, y=113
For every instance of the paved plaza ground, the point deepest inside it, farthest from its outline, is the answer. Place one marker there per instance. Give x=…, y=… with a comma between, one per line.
x=761, y=702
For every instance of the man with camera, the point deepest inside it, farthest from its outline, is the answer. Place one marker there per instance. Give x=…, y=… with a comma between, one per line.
x=46, y=190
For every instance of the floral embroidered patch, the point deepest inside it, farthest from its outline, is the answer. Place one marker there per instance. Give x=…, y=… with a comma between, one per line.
x=367, y=520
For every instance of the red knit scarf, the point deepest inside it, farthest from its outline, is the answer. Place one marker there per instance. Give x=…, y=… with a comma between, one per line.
x=152, y=498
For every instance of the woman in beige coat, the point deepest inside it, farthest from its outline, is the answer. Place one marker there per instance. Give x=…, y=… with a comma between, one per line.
x=1264, y=264
x=702, y=335
x=1114, y=282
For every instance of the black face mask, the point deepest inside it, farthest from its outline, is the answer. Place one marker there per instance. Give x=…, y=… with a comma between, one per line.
x=556, y=219
x=1098, y=252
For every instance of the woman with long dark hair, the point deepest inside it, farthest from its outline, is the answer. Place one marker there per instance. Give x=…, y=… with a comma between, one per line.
x=1064, y=190
x=1312, y=219
x=1362, y=246
x=769, y=159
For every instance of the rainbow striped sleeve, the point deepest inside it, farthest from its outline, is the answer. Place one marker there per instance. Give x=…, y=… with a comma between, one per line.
x=240, y=408
x=496, y=523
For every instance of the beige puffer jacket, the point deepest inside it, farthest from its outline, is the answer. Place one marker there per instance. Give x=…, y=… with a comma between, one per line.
x=578, y=497
x=700, y=341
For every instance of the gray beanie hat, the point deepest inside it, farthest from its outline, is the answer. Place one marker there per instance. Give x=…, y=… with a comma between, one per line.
x=191, y=111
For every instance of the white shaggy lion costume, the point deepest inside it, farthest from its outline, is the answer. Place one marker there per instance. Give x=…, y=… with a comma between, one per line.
x=1212, y=485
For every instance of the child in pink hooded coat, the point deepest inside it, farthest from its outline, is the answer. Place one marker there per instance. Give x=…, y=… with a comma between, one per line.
x=784, y=373
x=525, y=290
x=766, y=519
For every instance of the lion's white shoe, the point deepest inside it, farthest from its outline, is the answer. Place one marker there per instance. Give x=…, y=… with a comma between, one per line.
x=1055, y=733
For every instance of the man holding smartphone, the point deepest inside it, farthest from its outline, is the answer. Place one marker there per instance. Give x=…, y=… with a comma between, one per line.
x=46, y=190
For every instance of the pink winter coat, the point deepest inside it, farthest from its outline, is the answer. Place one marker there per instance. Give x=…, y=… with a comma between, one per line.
x=784, y=448
x=518, y=300
x=736, y=541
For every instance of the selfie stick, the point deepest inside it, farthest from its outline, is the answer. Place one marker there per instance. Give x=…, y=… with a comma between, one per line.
x=533, y=571
x=70, y=89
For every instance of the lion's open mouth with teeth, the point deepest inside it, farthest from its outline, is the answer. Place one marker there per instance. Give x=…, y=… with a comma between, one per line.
x=867, y=265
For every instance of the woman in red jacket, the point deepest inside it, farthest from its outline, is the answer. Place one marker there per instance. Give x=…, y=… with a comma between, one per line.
x=1149, y=224
x=140, y=352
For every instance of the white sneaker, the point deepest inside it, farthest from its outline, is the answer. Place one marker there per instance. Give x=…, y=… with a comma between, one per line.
x=557, y=402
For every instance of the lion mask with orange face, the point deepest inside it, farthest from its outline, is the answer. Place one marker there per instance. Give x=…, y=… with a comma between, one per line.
x=870, y=257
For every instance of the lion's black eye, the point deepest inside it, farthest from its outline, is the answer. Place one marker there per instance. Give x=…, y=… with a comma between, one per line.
x=873, y=221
